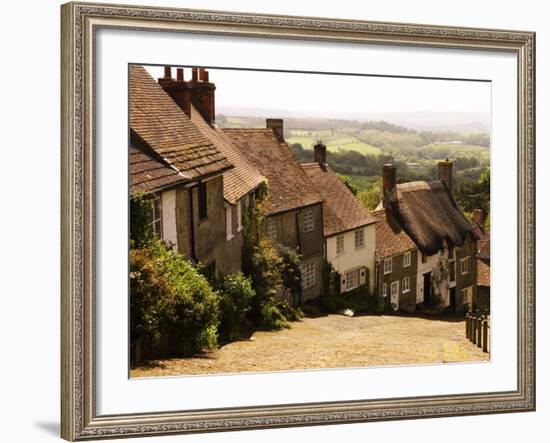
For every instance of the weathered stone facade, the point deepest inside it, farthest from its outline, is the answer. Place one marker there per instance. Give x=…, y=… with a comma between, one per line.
x=287, y=228
x=406, y=300
x=203, y=239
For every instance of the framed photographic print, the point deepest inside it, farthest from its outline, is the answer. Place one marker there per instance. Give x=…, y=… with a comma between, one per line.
x=283, y=221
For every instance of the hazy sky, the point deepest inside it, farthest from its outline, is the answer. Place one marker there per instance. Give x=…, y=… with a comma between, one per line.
x=333, y=96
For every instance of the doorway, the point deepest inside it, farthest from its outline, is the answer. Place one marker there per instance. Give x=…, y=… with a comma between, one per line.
x=452, y=300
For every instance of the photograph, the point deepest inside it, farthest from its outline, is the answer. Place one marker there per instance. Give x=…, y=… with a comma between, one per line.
x=292, y=220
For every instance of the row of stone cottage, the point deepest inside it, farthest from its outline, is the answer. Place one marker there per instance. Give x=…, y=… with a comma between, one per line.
x=416, y=246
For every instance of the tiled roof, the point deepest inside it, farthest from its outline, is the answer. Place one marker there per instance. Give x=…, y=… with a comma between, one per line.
x=430, y=216
x=341, y=210
x=244, y=177
x=390, y=238
x=483, y=273
x=161, y=123
x=148, y=174
x=289, y=186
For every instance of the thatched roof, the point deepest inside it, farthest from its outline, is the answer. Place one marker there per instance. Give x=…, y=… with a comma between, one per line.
x=428, y=213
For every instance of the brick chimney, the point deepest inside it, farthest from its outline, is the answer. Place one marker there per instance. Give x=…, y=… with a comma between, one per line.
x=320, y=154
x=389, y=184
x=202, y=94
x=178, y=89
x=445, y=169
x=478, y=216
x=276, y=125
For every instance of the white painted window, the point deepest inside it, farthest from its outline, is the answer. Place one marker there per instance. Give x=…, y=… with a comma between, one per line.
x=464, y=265
x=388, y=264
x=155, y=216
x=271, y=229
x=229, y=222
x=384, y=290
x=359, y=238
x=352, y=279
x=407, y=259
x=405, y=285
x=308, y=275
x=308, y=220
x=239, y=216
x=340, y=245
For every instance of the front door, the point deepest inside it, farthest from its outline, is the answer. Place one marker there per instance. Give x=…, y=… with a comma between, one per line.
x=427, y=287
x=394, y=295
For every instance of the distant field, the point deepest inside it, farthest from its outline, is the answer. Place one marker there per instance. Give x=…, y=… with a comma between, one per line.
x=363, y=182
x=333, y=142
x=459, y=150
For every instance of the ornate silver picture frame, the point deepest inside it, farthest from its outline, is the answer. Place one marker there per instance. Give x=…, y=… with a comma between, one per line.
x=80, y=23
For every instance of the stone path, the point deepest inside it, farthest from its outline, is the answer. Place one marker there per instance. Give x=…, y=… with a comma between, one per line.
x=330, y=342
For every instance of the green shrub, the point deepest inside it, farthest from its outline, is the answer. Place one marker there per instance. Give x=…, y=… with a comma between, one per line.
x=289, y=312
x=170, y=299
x=236, y=296
x=272, y=318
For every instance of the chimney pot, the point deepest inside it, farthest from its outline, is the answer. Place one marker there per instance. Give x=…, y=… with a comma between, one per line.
x=206, y=76
x=201, y=74
x=320, y=154
x=167, y=72
x=180, y=74
x=276, y=125
x=445, y=170
x=478, y=216
x=194, y=74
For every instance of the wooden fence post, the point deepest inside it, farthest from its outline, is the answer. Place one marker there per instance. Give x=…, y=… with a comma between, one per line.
x=485, y=335
x=479, y=330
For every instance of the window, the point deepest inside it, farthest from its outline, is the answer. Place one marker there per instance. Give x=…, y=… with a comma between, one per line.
x=467, y=297
x=424, y=258
x=271, y=229
x=155, y=216
x=308, y=220
x=407, y=259
x=452, y=270
x=464, y=265
x=406, y=285
x=352, y=279
x=203, y=210
x=359, y=238
x=388, y=265
x=340, y=245
x=229, y=222
x=239, y=216
x=385, y=290
x=308, y=275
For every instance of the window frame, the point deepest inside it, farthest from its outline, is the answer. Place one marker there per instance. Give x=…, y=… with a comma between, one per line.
x=384, y=290
x=308, y=219
x=362, y=236
x=356, y=272
x=390, y=261
x=396, y=285
x=311, y=280
x=271, y=229
x=228, y=222
x=407, y=259
x=408, y=285
x=464, y=260
x=341, y=251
